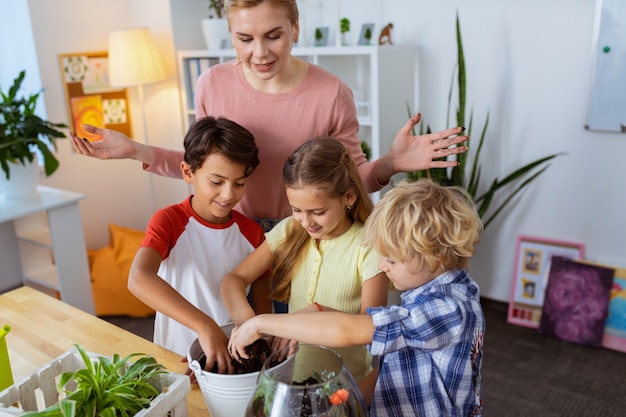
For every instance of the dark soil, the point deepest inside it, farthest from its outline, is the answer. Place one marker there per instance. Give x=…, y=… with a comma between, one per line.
x=307, y=406
x=258, y=353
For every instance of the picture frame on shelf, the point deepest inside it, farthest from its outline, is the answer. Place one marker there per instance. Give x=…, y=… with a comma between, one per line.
x=367, y=34
x=530, y=276
x=321, y=36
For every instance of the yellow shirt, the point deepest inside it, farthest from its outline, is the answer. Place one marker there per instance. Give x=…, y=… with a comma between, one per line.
x=332, y=274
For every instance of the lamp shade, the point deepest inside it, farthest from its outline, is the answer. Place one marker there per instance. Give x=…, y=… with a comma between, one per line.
x=133, y=58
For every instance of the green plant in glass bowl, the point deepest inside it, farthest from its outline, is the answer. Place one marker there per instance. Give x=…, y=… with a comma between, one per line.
x=306, y=381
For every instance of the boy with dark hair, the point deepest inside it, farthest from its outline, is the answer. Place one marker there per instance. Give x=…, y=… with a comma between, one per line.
x=190, y=246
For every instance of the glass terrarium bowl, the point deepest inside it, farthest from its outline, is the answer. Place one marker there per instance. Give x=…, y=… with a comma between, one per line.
x=306, y=381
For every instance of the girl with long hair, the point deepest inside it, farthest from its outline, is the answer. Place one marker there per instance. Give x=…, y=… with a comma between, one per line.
x=316, y=256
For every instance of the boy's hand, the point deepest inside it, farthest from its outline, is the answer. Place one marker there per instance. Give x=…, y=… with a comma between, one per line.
x=214, y=345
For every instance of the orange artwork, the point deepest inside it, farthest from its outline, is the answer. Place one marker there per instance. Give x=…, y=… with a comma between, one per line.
x=90, y=97
x=87, y=110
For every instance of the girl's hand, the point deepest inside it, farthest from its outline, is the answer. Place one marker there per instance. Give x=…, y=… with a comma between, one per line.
x=241, y=337
x=279, y=343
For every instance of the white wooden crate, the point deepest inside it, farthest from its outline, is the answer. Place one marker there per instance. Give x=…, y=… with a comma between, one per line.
x=39, y=390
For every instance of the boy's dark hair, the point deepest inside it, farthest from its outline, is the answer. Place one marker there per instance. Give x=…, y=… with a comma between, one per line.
x=210, y=135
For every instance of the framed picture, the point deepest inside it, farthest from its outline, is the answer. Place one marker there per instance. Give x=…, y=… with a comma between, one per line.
x=321, y=36
x=530, y=277
x=367, y=33
x=614, y=336
x=89, y=96
x=576, y=301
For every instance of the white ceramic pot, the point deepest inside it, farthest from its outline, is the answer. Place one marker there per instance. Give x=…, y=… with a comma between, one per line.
x=22, y=182
x=216, y=34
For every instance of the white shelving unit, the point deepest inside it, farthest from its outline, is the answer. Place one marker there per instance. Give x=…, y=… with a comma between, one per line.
x=384, y=80
x=43, y=245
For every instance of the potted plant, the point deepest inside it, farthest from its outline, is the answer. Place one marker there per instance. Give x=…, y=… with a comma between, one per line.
x=22, y=132
x=216, y=9
x=215, y=28
x=344, y=28
x=111, y=387
x=511, y=185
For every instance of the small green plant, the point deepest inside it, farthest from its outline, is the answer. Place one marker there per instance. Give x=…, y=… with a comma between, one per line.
x=216, y=9
x=513, y=183
x=344, y=25
x=106, y=387
x=22, y=131
x=318, y=34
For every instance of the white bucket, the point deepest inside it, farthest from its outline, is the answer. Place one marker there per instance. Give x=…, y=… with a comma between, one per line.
x=225, y=395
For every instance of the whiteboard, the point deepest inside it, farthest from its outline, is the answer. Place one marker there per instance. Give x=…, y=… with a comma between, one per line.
x=607, y=106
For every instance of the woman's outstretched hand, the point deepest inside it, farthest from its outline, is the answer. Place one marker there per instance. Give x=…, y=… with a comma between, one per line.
x=410, y=153
x=111, y=145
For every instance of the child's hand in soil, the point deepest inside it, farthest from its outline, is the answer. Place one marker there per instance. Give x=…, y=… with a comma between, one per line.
x=241, y=336
x=214, y=345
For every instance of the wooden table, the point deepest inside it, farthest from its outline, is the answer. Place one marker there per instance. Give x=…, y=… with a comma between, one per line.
x=43, y=328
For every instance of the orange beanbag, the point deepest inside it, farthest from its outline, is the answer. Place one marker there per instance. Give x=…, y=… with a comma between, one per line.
x=109, y=268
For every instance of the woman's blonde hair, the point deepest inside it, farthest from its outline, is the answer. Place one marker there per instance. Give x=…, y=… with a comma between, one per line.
x=323, y=163
x=423, y=223
x=290, y=7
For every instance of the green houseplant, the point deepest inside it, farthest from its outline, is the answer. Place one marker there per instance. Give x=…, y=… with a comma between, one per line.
x=106, y=387
x=216, y=9
x=22, y=131
x=215, y=27
x=468, y=172
x=344, y=28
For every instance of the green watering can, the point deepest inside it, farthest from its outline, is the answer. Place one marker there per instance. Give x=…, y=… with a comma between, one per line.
x=6, y=377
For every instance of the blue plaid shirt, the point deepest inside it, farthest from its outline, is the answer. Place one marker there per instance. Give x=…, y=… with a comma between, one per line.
x=431, y=350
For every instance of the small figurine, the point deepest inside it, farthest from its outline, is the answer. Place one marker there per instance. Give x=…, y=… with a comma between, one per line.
x=385, y=35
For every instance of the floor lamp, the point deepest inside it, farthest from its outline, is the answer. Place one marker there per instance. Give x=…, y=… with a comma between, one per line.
x=134, y=62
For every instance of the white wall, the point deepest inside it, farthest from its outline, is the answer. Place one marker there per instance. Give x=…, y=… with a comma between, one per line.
x=528, y=65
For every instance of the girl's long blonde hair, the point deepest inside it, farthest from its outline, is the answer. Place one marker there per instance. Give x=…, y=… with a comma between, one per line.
x=323, y=163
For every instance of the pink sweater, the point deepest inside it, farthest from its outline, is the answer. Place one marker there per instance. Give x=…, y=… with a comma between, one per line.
x=322, y=105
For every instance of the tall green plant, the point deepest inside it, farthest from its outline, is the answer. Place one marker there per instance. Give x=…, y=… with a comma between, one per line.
x=509, y=186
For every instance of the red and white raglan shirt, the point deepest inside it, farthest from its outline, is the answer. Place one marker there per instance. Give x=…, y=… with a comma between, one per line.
x=195, y=257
